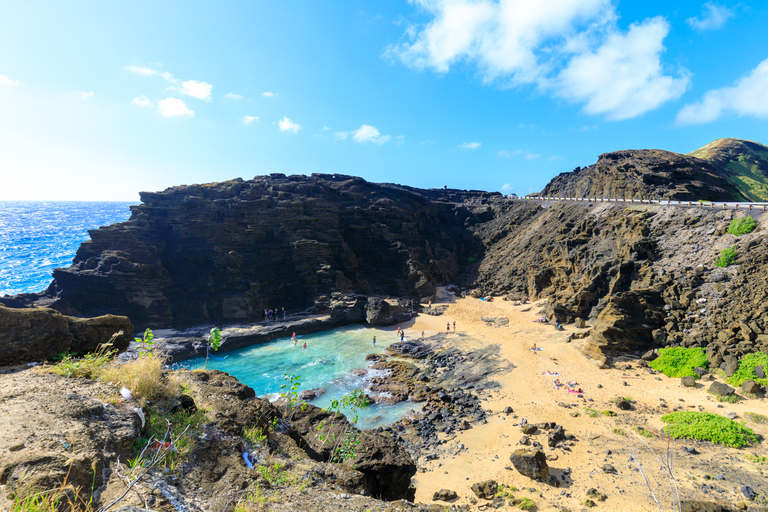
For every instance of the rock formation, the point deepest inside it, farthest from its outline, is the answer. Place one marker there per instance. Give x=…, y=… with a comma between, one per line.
x=38, y=334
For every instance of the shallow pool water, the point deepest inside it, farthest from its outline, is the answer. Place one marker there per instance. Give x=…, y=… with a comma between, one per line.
x=329, y=362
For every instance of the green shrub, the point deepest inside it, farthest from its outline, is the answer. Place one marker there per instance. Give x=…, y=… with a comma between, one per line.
x=608, y=412
x=727, y=256
x=527, y=504
x=679, y=361
x=746, y=370
x=742, y=226
x=731, y=399
x=642, y=432
x=705, y=426
x=756, y=459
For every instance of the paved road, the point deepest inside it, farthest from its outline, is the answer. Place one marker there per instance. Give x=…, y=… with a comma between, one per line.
x=657, y=202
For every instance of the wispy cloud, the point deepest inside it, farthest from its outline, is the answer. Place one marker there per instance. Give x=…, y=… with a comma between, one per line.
x=249, y=119
x=521, y=152
x=368, y=133
x=195, y=88
x=269, y=94
x=86, y=95
x=469, y=145
x=7, y=82
x=286, y=125
x=233, y=96
x=341, y=135
x=746, y=97
x=326, y=129
x=141, y=101
x=713, y=16
x=571, y=49
x=174, y=107
x=147, y=71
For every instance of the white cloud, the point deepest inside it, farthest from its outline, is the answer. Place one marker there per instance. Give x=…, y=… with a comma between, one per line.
x=746, y=97
x=469, y=145
x=399, y=140
x=522, y=152
x=174, y=107
x=713, y=17
x=249, y=119
x=141, y=70
x=195, y=88
x=86, y=95
x=141, y=101
x=326, y=129
x=233, y=96
x=7, y=82
x=623, y=77
x=544, y=44
x=286, y=125
x=341, y=135
x=269, y=94
x=506, y=189
x=368, y=133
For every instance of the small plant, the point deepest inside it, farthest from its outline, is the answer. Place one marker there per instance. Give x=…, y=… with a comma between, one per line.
x=214, y=342
x=91, y=366
x=345, y=440
x=592, y=413
x=746, y=370
x=706, y=426
x=255, y=435
x=742, y=226
x=146, y=343
x=727, y=256
x=756, y=459
x=291, y=394
x=642, y=432
x=618, y=432
x=526, y=504
x=276, y=475
x=608, y=412
x=731, y=398
x=679, y=361
x=756, y=418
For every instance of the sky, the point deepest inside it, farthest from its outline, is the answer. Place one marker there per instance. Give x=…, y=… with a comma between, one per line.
x=101, y=100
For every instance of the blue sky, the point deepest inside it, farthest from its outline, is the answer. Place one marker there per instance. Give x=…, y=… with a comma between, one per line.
x=100, y=100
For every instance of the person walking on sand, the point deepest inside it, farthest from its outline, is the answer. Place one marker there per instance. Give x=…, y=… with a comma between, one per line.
x=448, y=327
x=422, y=334
x=374, y=341
x=454, y=326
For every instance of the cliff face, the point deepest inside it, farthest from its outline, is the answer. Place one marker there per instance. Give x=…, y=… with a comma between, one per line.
x=224, y=252
x=646, y=174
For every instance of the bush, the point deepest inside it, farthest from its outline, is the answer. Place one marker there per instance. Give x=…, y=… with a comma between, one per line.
x=679, y=361
x=705, y=426
x=746, y=369
x=757, y=418
x=742, y=226
x=727, y=256
x=142, y=376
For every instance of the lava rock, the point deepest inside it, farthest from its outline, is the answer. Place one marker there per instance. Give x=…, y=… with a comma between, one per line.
x=530, y=462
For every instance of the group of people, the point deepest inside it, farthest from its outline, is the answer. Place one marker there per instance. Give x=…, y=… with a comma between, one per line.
x=270, y=314
x=295, y=341
x=569, y=386
x=447, y=326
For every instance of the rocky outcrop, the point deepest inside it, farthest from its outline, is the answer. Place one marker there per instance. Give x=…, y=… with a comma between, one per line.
x=225, y=252
x=646, y=174
x=38, y=334
x=743, y=162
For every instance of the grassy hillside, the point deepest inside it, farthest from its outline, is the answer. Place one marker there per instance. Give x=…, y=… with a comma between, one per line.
x=743, y=162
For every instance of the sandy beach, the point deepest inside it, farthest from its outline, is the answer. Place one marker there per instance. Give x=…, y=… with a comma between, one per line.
x=532, y=396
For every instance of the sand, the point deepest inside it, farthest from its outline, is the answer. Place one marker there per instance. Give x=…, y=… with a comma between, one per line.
x=532, y=396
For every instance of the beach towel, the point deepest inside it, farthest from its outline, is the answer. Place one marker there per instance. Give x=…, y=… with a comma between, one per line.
x=538, y=349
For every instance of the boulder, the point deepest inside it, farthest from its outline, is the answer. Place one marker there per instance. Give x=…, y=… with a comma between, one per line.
x=529, y=429
x=530, y=462
x=444, y=495
x=731, y=365
x=38, y=334
x=720, y=389
x=689, y=381
x=623, y=404
x=555, y=435
x=485, y=490
x=385, y=311
x=311, y=394
x=750, y=386
x=760, y=372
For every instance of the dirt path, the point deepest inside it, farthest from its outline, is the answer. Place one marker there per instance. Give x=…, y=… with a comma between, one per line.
x=533, y=396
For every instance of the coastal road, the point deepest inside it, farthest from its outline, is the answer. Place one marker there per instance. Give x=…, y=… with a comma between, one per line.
x=760, y=207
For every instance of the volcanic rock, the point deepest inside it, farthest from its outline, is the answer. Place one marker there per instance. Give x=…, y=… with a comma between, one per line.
x=530, y=462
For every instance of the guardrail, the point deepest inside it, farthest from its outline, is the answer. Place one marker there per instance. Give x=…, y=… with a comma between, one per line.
x=657, y=202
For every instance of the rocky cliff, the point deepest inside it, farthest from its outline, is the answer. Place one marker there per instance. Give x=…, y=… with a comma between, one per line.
x=225, y=252
x=743, y=162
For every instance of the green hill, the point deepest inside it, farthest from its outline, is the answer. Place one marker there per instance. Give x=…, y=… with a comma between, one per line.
x=744, y=163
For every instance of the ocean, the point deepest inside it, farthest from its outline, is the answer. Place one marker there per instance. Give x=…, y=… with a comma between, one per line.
x=38, y=236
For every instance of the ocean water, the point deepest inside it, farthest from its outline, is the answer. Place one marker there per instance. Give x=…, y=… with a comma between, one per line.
x=38, y=236
x=332, y=360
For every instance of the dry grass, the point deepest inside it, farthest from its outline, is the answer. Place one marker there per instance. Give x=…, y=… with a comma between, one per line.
x=142, y=376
